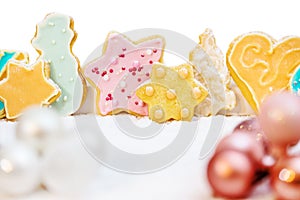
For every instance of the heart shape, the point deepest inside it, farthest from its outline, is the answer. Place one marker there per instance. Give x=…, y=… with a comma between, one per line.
x=261, y=65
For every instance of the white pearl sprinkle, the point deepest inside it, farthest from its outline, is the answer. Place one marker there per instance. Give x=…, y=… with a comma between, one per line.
x=65, y=98
x=51, y=24
x=115, y=102
x=122, y=84
x=71, y=79
x=57, y=100
x=63, y=30
x=106, y=77
x=62, y=57
x=59, y=75
x=49, y=61
x=149, y=52
x=53, y=42
x=141, y=103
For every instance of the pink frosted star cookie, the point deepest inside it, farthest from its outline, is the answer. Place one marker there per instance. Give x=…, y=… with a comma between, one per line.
x=122, y=68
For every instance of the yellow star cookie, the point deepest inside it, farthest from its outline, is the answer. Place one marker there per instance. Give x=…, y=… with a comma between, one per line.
x=26, y=86
x=172, y=94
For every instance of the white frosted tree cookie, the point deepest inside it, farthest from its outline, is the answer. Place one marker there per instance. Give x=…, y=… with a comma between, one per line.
x=211, y=71
x=53, y=40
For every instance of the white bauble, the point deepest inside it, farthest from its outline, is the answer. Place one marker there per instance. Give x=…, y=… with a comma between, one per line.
x=39, y=127
x=68, y=168
x=19, y=169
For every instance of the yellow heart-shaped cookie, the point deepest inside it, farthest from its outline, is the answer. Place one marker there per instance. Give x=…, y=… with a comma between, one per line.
x=261, y=65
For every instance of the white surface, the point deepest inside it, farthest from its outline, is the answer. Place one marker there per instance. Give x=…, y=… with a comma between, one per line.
x=185, y=179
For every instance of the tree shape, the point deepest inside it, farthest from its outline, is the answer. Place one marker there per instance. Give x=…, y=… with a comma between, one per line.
x=5, y=57
x=54, y=40
x=211, y=71
x=172, y=94
x=122, y=68
x=26, y=86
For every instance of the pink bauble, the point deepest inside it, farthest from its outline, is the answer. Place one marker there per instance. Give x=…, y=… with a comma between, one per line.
x=285, y=178
x=279, y=118
x=251, y=126
x=230, y=174
x=243, y=143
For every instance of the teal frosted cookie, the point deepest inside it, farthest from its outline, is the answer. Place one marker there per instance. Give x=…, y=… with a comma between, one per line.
x=5, y=57
x=53, y=40
x=295, y=82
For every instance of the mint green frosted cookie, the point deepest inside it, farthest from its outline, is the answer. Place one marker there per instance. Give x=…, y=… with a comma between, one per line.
x=53, y=40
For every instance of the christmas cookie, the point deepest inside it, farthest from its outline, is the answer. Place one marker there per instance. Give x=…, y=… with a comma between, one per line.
x=210, y=71
x=172, y=94
x=53, y=40
x=5, y=56
x=26, y=86
x=261, y=65
x=122, y=68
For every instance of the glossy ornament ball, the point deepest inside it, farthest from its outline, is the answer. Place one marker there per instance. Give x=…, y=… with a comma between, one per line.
x=251, y=126
x=279, y=118
x=39, y=127
x=68, y=169
x=19, y=170
x=286, y=178
x=230, y=174
x=243, y=143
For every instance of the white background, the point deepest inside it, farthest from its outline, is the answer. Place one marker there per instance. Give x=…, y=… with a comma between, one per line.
x=94, y=19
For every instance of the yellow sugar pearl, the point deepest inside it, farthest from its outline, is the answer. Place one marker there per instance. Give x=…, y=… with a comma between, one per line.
x=196, y=92
x=183, y=73
x=160, y=72
x=149, y=91
x=158, y=114
x=185, y=113
x=171, y=94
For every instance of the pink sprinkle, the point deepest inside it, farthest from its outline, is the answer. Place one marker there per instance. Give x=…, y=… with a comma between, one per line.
x=104, y=73
x=124, y=49
x=130, y=69
x=97, y=72
x=109, y=95
x=133, y=73
x=147, y=74
x=111, y=71
x=122, y=55
x=150, y=61
x=107, y=98
x=129, y=97
x=123, y=68
x=136, y=103
x=123, y=90
x=136, y=63
x=139, y=80
x=154, y=50
x=134, y=69
x=114, y=61
x=142, y=55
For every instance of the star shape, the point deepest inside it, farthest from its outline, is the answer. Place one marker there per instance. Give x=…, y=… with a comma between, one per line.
x=122, y=68
x=172, y=94
x=26, y=86
x=5, y=57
